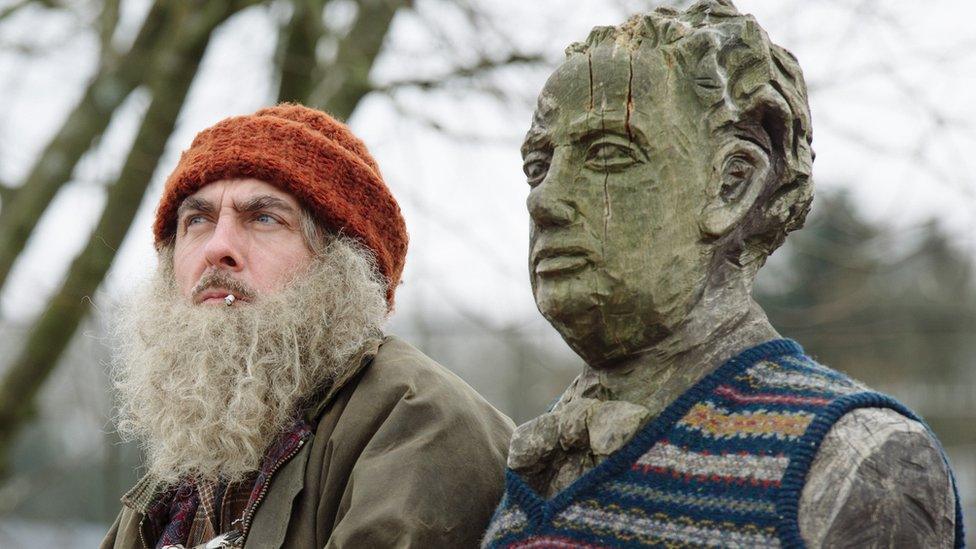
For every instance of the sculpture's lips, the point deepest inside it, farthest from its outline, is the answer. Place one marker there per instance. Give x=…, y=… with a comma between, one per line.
x=552, y=266
x=560, y=260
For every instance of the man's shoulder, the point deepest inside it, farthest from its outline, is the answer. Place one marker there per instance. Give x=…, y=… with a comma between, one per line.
x=399, y=371
x=408, y=451
x=399, y=366
x=397, y=355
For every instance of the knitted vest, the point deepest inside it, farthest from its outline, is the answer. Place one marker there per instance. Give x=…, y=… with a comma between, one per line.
x=723, y=465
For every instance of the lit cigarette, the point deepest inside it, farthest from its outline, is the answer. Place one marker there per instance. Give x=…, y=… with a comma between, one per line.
x=229, y=300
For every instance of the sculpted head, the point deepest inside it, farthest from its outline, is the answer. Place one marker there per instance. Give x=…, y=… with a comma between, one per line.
x=666, y=156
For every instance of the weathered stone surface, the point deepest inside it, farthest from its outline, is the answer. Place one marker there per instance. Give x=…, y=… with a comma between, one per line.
x=574, y=418
x=612, y=424
x=567, y=469
x=875, y=465
x=533, y=442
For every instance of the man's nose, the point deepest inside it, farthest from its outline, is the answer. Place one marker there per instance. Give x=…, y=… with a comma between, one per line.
x=224, y=248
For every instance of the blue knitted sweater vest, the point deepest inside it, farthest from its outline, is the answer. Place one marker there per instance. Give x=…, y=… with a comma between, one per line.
x=722, y=466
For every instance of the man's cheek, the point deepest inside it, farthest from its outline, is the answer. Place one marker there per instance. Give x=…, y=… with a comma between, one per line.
x=186, y=276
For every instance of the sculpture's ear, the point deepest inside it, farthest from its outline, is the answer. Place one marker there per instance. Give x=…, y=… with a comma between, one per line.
x=740, y=171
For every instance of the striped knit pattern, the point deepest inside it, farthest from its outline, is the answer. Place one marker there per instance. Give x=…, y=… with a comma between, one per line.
x=723, y=466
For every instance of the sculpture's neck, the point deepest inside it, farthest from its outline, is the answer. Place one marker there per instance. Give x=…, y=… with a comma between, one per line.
x=724, y=322
x=553, y=453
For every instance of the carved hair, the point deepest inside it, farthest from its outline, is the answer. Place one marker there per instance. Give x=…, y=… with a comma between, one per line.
x=746, y=84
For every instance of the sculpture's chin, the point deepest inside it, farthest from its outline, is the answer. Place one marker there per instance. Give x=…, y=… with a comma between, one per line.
x=568, y=305
x=602, y=331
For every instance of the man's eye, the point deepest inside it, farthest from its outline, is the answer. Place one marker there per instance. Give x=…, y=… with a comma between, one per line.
x=194, y=220
x=265, y=219
x=610, y=156
x=535, y=171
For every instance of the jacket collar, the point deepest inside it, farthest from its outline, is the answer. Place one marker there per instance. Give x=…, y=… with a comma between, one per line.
x=355, y=365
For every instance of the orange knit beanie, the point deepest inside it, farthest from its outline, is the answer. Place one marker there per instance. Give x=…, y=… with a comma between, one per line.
x=308, y=154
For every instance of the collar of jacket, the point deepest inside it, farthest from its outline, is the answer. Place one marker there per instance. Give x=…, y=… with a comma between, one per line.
x=148, y=488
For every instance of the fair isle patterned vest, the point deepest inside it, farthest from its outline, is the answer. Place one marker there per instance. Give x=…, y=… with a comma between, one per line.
x=723, y=465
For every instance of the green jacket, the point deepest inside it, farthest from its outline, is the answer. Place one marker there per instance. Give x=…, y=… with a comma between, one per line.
x=404, y=454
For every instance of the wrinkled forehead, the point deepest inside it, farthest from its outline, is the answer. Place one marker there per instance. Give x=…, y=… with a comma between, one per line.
x=240, y=189
x=592, y=91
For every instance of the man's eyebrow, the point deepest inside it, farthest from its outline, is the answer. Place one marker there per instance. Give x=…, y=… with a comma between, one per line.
x=194, y=203
x=263, y=202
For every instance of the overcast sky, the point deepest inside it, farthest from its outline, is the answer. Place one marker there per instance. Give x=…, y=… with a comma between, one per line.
x=891, y=94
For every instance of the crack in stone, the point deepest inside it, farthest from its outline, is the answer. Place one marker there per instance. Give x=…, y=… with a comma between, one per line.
x=589, y=64
x=629, y=107
x=607, y=211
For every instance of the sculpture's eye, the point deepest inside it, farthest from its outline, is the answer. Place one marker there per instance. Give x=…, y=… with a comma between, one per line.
x=609, y=155
x=536, y=167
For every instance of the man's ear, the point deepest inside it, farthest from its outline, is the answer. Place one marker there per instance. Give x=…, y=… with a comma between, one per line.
x=739, y=175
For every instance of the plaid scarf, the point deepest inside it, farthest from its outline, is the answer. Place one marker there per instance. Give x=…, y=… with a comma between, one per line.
x=193, y=513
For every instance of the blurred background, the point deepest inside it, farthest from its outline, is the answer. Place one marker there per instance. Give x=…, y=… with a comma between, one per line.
x=98, y=98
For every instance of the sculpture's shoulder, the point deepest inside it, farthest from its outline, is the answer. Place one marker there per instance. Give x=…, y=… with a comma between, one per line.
x=879, y=479
x=787, y=370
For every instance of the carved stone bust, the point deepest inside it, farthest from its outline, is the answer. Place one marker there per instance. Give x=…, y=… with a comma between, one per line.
x=668, y=157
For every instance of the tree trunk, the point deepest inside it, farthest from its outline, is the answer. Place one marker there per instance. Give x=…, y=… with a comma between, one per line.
x=297, y=60
x=115, y=80
x=174, y=67
x=346, y=80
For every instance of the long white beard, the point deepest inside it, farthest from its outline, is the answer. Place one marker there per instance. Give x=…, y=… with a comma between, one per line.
x=206, y=389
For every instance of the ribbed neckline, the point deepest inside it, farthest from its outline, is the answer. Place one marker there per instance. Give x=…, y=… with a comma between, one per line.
x=540, y=511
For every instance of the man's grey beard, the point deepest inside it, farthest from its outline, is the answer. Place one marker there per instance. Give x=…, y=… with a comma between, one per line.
x=205, y=389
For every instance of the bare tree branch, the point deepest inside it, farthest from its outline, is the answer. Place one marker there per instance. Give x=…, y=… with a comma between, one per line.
x=297, y=61
x=454, y=134
x=6, y=194
x=187, y=35
x=478, y=69
x=87, y=122
x=108, y=19
x=346, y=80
x=14, y=8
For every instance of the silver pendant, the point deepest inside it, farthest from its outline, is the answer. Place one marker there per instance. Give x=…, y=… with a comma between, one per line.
x=234, y=538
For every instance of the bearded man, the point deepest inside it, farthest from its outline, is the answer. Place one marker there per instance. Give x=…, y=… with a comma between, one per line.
x=253, y=370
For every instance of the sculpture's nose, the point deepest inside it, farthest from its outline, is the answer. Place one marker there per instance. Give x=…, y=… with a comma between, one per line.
x=547, y=202
x=546, y=210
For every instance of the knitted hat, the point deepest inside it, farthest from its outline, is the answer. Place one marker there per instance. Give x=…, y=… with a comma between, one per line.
x=308, y=154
